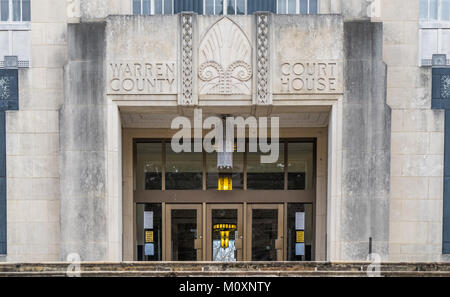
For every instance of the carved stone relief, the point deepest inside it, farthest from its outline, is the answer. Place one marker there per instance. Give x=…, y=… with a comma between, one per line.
x=186, y=59
x=445, y=89
x=225, y=58
x=262, y=58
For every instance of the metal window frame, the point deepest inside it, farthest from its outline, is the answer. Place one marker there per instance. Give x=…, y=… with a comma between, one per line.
x=439, y=12
x=285, y=141
x=10, y=13
x=297, y=7
x=152, y=7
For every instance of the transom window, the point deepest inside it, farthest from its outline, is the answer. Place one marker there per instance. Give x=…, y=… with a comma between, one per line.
x=159, y=168
x=224, y=7
x=435, y=10
x=150, y=7
x=297, y=6
x=229, y=7
x=15, y=10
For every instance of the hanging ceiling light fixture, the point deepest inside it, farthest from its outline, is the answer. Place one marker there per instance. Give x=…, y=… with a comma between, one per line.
x=225, y=160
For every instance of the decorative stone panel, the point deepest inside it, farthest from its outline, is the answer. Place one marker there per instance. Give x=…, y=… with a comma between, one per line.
x=225, y=60
x=262, y=58
x=187, y=59
x=9, y=91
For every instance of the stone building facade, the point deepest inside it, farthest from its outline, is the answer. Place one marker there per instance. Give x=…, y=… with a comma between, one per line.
x=361, y=102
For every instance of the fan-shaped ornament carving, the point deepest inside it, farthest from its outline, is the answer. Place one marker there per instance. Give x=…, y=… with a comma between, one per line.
x=225, y=60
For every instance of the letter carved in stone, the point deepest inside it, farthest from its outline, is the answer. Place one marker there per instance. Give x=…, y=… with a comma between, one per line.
x=186, y=60
x=262, y=58
x=225, y=60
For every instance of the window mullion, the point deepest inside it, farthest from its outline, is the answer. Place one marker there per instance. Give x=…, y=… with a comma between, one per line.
x=10, y=12
x=439, y=4
x=429, y=9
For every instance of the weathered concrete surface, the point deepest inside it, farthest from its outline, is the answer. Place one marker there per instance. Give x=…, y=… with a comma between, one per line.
x=215, y=269
x=366, y=144
x=82, y=146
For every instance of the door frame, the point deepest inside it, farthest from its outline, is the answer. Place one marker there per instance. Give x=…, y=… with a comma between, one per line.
x=198, y=244
x=240, y=228
x=279, y=242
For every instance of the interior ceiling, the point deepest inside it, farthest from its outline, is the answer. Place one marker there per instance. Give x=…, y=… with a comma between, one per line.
x=290, y=117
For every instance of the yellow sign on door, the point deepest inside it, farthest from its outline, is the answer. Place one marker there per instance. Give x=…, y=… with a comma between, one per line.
x=300, y=236
x=148, y=236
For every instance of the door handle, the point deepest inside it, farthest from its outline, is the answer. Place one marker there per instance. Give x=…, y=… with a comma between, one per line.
x=198, y=243
x=279, y=244
x=238, y=243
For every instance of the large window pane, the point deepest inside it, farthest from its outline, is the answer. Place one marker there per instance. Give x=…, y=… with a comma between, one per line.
x=292, y=9
x=433, y=9
x=209, y=7
x=240, y=7
x=231, y=9
x=313, y=7
x=219, y=7
x=265, y=176
x=148, y=232
x=146, y=7
x=423, y=9
x=136, y=6
x=300, y=166
x=26, y=10
x=189, y=5
x=16, y=10
x=445, y=10
x=224, y=250
x=158, y=7
x=281, y=6
x=4, y=10
x=237, y=172
x=303, y=6
x=264, y=234
x=183, y=170
x=167, y=6
x=149, y=166
x=299, y=219
x=184, y=233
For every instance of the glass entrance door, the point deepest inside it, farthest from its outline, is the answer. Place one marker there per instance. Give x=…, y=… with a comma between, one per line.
x=265, y=232
x=183, y=232
x=224, y=232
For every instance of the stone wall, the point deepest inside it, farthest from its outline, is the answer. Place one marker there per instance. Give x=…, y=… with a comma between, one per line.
x=32, y=141
x=417, y=140
x=82, y=146
x=365, y=144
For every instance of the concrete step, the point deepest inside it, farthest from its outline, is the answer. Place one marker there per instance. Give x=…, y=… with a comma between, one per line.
x=235, y=269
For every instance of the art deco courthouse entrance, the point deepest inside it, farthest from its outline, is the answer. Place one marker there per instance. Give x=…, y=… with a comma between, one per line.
x=135, y=74
x=89, y=90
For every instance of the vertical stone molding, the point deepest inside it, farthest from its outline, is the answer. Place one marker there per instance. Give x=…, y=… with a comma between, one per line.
x=262, y=59
x=366, y=145
x=83, y=134
x=187, y=54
